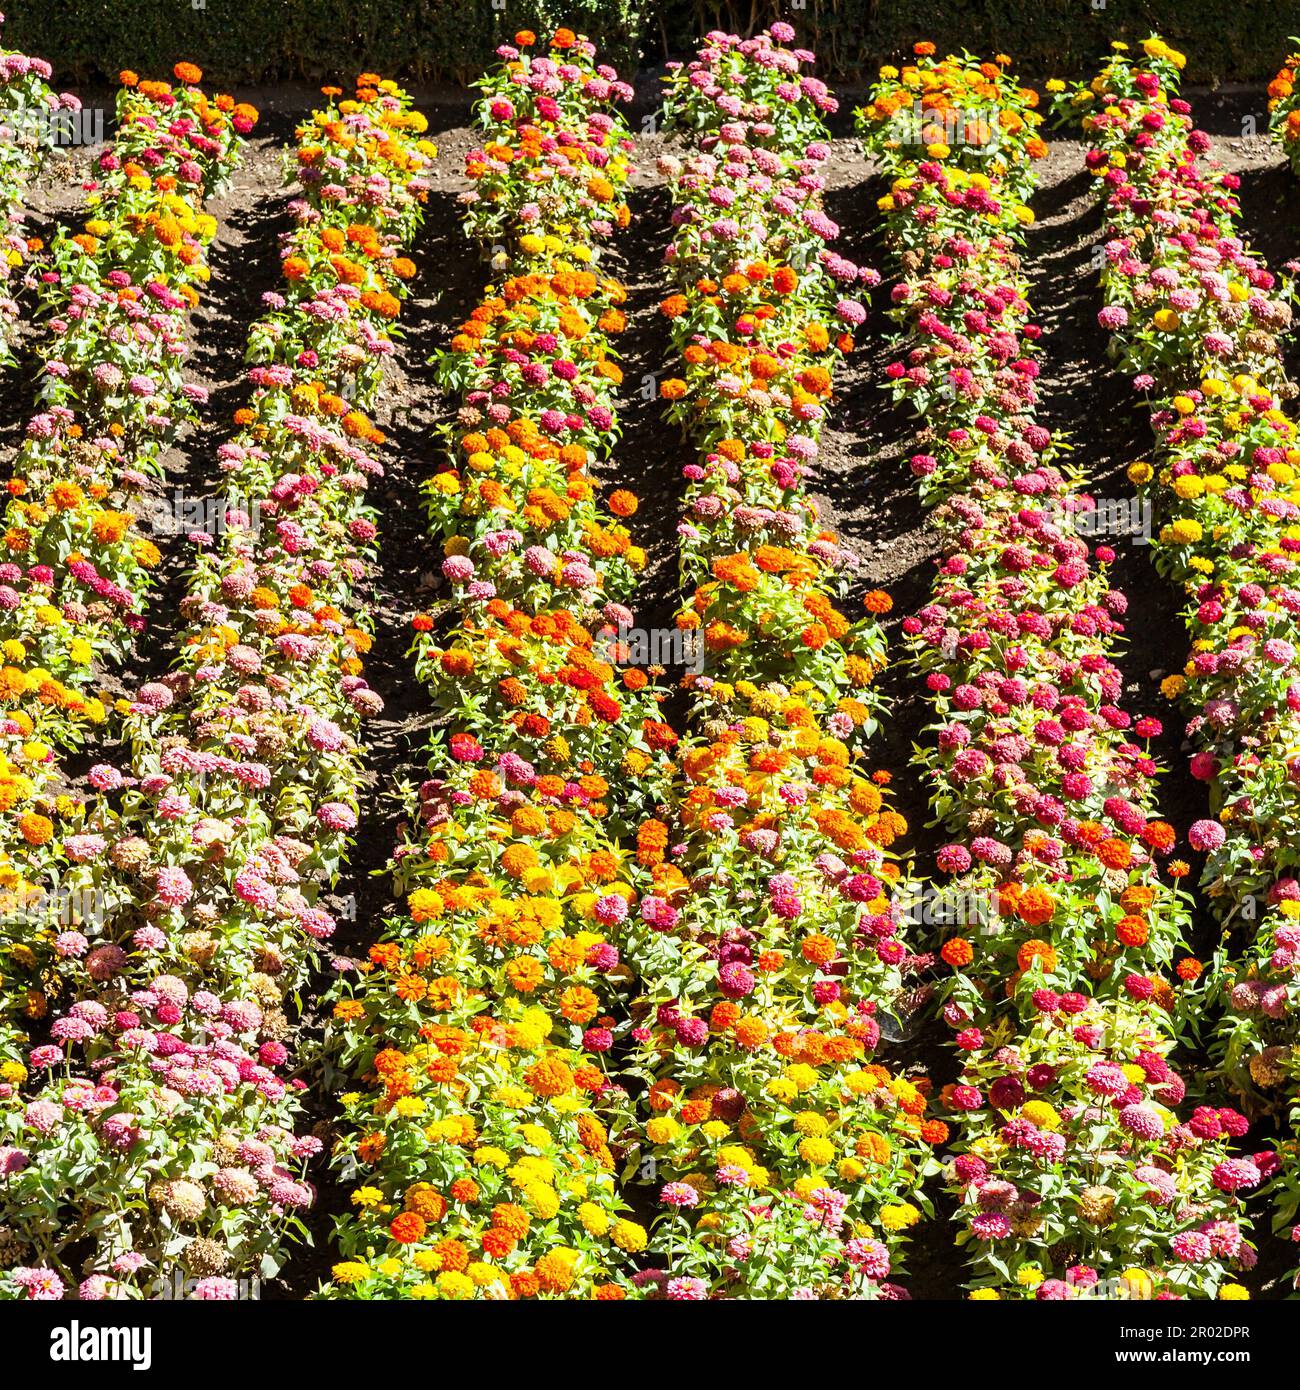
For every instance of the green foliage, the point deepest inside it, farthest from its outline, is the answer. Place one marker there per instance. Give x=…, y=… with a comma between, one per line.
x=250, y=41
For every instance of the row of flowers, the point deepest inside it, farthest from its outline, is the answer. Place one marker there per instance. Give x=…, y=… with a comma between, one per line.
x=481, y=1027
x=113, y=395
x=151, y=1136
x=1074, y=1173
x=1284, y=108
x=30, y=113
x=1196, y=318
x=788, y=1159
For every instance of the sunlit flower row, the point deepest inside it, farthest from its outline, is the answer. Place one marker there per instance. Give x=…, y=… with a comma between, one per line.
x=785, y=1155
x=482, y=1026
x=1075, y=1175
x=153, y=1141
x=1197, y=319
x=78, y=558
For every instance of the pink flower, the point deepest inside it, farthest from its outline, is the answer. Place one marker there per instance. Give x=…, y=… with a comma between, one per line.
x=1207, y=835
x=173, y=886
x=1234, y=1174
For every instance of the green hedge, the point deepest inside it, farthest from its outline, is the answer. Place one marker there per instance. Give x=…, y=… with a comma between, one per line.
x=261, y=41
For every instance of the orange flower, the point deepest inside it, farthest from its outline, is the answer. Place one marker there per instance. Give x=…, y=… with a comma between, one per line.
x=549, y=1077
x=407, y=1228
x=957, y=952
x=1132, y=931
x=35, y=829
x=497, y=1243
x=818, y=949
x=1035, y=906
x=1042, y=951
x=1115, y=854
x=785, y=280
x=877, y=601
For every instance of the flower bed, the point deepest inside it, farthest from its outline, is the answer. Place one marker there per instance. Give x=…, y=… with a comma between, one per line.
x=113, y=396
x=28, y=115
x=1073, y=1171
x=1196, y=318
x=154, y=1133
x=788, y=1159
x=478, y=1029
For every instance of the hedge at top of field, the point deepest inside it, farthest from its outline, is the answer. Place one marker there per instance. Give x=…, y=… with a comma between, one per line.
x=250, y=41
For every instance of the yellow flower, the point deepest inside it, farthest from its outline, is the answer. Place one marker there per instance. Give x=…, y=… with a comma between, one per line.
x=542, y=1200
x=628, y=1236
x=424, y=904
x=484, y=1275
x=594, y=1220
x=490, y=1156
x=899, y=1216
x=802, y=1075
x=350, y=1272
x=1040, y=1113
x=818, y=1152
x=735, y=1156
x=454, y=1285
